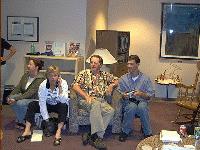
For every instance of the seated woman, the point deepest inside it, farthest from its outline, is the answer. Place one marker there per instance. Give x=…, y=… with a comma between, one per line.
x=26, y=91
x=53, y=97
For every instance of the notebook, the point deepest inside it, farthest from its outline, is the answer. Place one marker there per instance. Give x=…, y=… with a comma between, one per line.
x=37, y=136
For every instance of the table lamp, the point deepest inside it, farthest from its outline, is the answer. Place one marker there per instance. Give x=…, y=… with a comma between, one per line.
x=106, y=56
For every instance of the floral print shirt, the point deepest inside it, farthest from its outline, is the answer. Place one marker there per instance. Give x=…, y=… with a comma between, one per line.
x=95, y=86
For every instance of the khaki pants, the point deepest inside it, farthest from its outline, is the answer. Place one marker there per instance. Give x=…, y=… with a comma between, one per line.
x=101, y=114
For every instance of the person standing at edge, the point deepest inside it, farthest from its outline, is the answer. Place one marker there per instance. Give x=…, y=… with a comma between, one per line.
x=10, y=48
x=5, y=46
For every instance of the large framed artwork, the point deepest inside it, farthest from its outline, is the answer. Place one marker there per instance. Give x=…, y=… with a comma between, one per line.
x=20, y=28
x=180, y=25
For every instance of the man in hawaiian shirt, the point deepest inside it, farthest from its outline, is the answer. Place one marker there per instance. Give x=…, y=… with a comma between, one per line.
x=95, y=88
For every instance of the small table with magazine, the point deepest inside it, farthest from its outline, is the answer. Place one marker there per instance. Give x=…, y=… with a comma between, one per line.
x=155, y=142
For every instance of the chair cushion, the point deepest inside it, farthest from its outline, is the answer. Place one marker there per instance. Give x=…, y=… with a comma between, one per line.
x=83, y=113
x=192, y=105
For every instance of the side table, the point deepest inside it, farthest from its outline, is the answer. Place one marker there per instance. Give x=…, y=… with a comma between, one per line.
x=155, y=142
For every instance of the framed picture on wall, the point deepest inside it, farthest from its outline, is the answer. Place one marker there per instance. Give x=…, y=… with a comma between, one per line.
x=21, y=28
x=180, y=28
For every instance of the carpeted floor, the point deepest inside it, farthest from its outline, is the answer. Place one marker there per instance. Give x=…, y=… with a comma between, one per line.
x=161, y=113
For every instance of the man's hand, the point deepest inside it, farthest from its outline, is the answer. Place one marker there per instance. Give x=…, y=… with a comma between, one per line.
x=2, y=59
x=127, y=95
x=10, y=100
x=89, y=99
x=111, y=87
x=140, y=93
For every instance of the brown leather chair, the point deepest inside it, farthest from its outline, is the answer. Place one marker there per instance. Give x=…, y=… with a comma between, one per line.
x=188, y=101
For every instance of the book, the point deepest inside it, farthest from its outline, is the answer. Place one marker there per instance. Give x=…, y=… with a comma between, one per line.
x=37, y=136
x=73, y=49
x=169, y=136
x=55, y=48
x=197, y=133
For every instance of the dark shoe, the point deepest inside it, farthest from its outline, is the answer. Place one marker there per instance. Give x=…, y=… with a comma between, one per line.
x=123, y=137
x=85, y=138
x=20, y=126
x=57, y=142
x=23, y=138
x=47, y=133
x=146, y=136
x=99, y=144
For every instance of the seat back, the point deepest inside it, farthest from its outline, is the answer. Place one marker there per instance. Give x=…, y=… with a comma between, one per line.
x=188, y=91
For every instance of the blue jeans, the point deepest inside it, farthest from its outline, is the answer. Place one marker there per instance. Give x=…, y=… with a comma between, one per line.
x=130, y=110
x=20, y=108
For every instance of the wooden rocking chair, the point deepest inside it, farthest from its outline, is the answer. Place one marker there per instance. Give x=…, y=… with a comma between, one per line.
x=187, y=101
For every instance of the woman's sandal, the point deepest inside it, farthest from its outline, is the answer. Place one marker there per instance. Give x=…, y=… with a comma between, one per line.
x=57, y=142
x=23, y=138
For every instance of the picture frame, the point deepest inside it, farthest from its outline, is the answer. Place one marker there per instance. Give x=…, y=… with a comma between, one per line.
x=22, y=28
x=123, y=42
x=180, y=28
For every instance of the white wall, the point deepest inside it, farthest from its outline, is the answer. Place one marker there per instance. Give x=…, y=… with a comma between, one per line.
x=97, y=12
x=143, y=19
x=60, y=20
x=66, y=20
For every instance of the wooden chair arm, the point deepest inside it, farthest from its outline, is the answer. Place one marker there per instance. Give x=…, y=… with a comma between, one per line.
x=180, y=85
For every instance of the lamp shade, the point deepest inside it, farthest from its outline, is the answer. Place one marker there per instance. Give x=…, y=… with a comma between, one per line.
x=105, y=55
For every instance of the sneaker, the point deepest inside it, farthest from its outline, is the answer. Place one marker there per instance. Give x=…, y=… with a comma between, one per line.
x=123, y=137
x=99, y=144
x=146, y=136
x=85, y=138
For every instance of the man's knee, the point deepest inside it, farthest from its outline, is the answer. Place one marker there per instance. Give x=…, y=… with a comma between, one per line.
x=143, y=108
x=131, y=107
x=96, y=102
x=111, y=111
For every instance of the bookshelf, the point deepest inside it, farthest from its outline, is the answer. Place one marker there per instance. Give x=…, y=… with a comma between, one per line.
x=69, y=66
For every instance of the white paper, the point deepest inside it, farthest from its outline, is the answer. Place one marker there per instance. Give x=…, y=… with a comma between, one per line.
x=59, y=49
x=174, y=147
x=169, y=136
x=37, y=136
x=29, y=29
x=146, y=147
x=17, y=28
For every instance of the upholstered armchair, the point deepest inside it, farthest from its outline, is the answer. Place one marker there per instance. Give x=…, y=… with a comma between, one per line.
x=81, y=117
